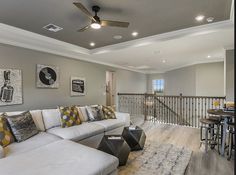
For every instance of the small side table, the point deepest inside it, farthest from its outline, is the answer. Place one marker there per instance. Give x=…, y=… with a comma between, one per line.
x=116, y=146
x=135, y=137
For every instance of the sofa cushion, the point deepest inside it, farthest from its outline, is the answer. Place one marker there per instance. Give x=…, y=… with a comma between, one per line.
x=69, y=116
x=108, y=112
x=51, y=118
x=95, y=113
x=22, y=126
x=37, y=117
x=60, y=158
x=6, y=136
x=110, y=124
x=34, y=142
x=83, y=113
x=78, y=132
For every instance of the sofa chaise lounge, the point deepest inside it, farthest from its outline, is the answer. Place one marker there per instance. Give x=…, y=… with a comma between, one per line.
x=59, y=151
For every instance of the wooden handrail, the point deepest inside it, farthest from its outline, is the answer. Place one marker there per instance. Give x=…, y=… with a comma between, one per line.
x=176, y=109
x=147, y=94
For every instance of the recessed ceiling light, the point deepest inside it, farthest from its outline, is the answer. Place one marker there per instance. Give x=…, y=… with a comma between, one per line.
x=135, y=34
x=208, y=56
x=210, y=19
x=163, y=61
x=199, y=17
x=92, y=44
x=117, y=37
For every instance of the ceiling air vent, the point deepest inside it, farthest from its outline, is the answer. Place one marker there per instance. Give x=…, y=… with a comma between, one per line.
x=52, y=28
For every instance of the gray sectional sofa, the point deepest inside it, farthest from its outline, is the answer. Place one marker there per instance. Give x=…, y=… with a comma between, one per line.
x=62, y=151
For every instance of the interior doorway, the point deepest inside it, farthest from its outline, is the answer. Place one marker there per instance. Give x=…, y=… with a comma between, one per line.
x=110, y=88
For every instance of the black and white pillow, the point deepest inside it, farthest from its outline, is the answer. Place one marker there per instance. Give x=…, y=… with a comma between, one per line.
x=22, y=126
x=95, y=113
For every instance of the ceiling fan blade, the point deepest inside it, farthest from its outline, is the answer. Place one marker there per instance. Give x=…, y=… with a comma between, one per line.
x=83, y=9
x=84, y=28
x=114, y=23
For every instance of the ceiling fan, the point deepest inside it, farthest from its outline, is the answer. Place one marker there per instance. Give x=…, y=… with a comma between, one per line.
x=96, y=23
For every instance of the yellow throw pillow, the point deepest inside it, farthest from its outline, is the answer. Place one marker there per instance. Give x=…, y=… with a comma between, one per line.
x=69, y=116
x=108, y=112
x=6, y=136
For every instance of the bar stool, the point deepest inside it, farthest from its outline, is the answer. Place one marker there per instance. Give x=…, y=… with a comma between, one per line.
x=219, y=130
x=231, y=141
x=209, y=126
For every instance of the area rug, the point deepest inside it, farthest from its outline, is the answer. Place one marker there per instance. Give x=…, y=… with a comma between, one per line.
x=164, y=159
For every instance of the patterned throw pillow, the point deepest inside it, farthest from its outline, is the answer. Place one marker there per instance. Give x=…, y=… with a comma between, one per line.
x=69, y=116
x=109, y=112
x=95, y=113
x=6, y=136
x=22, y=126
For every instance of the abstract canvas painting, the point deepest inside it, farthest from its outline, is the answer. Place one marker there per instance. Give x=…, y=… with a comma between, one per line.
x=77, y=86
x=11, y=87
x=47, y=76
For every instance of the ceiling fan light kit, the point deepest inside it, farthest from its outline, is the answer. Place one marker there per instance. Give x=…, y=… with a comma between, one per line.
x=96, y=23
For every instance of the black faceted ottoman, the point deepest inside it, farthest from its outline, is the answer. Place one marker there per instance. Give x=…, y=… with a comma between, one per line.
x=116, y=146
x=135, y=137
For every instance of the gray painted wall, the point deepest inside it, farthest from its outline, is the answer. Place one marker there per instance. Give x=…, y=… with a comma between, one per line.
x=181, y=81
x=229, y=70
x=130, y=82
x=210, y=79
x=35, y=98
x=201, y=79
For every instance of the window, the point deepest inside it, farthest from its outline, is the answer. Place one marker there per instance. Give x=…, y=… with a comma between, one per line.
x=158, y=86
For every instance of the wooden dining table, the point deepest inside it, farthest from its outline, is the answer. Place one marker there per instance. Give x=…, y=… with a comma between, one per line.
x=225, y=116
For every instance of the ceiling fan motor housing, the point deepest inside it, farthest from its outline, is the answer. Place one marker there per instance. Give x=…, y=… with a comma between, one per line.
x=97, y=19
x=96, y=9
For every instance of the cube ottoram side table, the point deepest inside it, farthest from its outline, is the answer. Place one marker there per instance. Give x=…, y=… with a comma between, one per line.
x=135, y=137
x=116, y=146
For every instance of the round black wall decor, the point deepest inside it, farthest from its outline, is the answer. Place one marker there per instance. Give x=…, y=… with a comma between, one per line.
x=47, y=76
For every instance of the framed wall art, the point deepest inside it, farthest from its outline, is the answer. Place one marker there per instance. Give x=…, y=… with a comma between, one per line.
x=47, y=76
x=77, y=86
x=10, y=87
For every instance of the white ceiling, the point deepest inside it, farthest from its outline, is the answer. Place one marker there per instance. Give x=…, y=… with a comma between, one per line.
x=179, y=52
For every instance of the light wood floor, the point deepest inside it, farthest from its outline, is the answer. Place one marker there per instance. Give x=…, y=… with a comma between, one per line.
x=201, y=163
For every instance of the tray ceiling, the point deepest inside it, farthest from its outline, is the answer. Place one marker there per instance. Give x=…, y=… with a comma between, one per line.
x=147, y=17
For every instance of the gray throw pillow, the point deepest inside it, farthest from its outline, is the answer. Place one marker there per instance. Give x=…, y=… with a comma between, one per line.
x=22, y=126
x=95, y=113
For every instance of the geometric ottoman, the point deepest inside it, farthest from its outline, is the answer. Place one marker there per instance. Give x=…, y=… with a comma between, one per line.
x=135, y=137
x=116, y=146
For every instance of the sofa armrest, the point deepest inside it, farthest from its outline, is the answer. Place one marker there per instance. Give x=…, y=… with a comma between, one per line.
x=2, y=153
x=124, y=117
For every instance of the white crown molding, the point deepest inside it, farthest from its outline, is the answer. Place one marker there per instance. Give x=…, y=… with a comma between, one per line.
x=197, y=30
x=186, y=65
x=21, y=38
